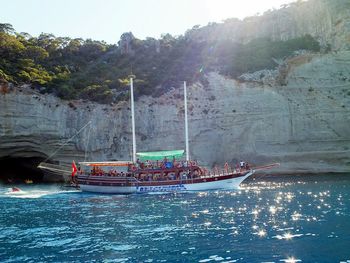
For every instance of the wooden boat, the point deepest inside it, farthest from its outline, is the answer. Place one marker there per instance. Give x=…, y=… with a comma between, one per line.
x=156, y=176
x=154, y=173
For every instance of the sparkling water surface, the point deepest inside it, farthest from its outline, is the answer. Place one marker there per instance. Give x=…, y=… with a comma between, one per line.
x=304, y=219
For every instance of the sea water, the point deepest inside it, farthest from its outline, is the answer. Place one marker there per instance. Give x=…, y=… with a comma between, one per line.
x=301, y=219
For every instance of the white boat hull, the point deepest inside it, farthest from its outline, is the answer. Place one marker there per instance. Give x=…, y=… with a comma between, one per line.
x=108, y=189
x=226, y=184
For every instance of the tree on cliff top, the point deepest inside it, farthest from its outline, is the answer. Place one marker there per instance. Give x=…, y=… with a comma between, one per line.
x=6, y=28
x=89, y=69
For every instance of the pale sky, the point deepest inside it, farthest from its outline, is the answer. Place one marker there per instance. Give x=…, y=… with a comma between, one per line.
x=108, y=19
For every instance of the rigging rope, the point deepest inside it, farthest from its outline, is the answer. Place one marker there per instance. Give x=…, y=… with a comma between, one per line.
x=67, y=142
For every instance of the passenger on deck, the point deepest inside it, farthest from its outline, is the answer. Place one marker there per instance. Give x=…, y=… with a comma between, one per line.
x=241, y=164
x=226, y=167
x=138, y=162
x=216, y=170
x=168, y=165
x=204, y=171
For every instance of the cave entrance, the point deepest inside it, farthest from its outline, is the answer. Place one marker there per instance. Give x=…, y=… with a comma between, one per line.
x=19, y=169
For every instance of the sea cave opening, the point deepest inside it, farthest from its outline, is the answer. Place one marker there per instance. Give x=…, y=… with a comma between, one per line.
x=21, y=170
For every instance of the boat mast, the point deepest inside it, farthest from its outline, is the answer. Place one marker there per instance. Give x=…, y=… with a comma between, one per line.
x=133, y=120
x=186, y=124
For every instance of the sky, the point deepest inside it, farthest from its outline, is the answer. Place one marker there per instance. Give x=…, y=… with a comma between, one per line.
x=108, y=19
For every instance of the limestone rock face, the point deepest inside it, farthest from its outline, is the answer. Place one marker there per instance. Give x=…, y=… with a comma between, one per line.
x=304, y=124
x=326, y=20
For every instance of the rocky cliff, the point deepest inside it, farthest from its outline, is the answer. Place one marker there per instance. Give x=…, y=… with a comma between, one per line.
x=326, y=20
x=304, y=124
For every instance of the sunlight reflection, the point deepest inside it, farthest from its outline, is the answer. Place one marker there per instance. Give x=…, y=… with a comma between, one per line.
x=287, y=236
x=255, y=212
x=194, y=215
x=262, y=233
x=202, y=194
x=290, y=260
x=207, y=224
x=289, y=196
x=272, y=209
x=296, y=216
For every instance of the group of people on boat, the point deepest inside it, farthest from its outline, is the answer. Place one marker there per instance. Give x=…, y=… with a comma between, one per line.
x=98, y=171
x=168, y=170
x=151, y=176
x=165, y=164
x=235, y=168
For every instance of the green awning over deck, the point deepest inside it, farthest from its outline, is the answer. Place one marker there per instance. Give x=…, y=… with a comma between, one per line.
x=160, y=155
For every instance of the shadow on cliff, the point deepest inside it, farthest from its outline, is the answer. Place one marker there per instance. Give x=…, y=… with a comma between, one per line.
x=19, y=169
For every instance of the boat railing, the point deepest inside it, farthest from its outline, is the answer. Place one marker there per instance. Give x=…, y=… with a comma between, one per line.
x=224, y=172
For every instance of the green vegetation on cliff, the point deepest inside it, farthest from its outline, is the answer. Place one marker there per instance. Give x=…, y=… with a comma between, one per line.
x=95, y=70
x=259, y=53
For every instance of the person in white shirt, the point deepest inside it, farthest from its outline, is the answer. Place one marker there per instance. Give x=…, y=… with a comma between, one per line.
x=241, y=163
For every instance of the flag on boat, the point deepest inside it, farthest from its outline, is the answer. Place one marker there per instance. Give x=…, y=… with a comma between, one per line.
x=74, y=168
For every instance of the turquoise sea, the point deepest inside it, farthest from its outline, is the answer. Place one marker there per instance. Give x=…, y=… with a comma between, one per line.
x=299, y=219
